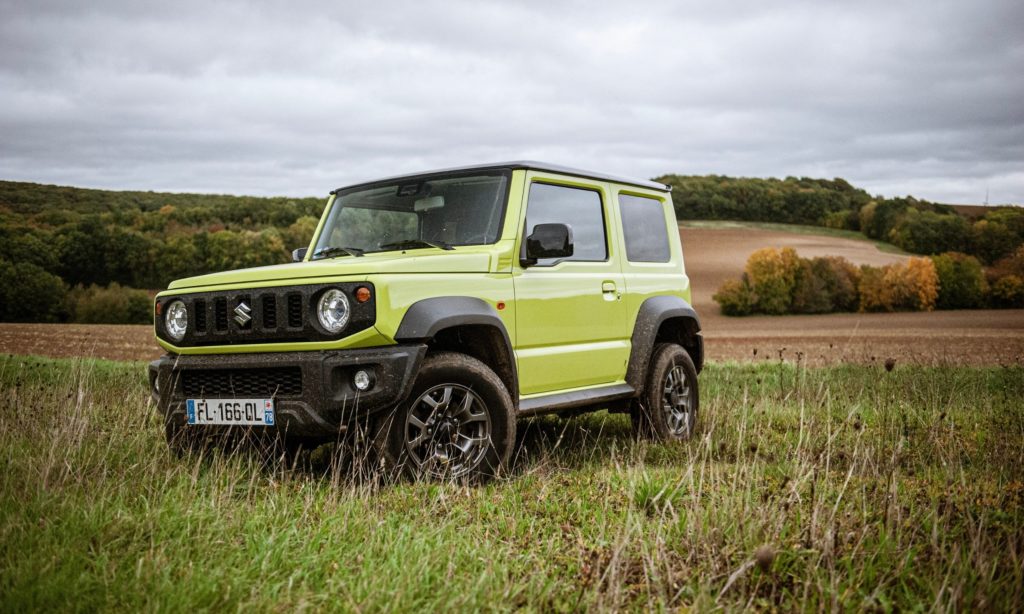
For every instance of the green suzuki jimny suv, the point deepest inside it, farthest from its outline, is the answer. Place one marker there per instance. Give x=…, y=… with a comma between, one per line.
x=434, y=311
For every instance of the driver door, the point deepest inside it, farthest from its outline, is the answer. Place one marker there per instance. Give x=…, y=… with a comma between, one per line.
x=570, y=312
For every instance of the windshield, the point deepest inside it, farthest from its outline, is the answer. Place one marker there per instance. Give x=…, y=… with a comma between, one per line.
x=443, y=211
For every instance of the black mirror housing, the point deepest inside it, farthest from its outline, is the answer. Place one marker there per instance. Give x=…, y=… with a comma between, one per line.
x=298, y=255
x=548, y=241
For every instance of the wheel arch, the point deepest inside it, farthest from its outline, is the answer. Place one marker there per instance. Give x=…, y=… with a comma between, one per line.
x=663, y=319
x=463, y=324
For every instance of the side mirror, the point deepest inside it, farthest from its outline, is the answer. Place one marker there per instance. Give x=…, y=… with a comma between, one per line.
x=298, y=255
x=548, y=241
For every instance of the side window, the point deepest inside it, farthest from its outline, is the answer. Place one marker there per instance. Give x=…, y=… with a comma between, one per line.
x=579, y=208
x=643, y=226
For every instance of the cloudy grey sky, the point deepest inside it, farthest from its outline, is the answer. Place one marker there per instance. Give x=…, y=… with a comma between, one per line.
x=923, y=97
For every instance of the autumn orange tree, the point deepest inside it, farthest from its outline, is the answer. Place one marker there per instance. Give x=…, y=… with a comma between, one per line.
x=777, y=281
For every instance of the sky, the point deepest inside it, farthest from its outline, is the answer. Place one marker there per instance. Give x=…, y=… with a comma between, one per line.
x=297, y=98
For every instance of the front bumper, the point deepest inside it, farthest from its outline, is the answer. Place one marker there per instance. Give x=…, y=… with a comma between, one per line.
x=312, y=391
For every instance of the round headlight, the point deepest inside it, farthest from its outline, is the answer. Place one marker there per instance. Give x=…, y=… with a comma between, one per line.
x=176, y=320
x=333, y=311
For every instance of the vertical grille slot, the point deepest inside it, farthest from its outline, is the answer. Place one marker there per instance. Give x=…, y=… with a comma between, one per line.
x=269, y=311
x=199, y=307
x=220, y=314
x=295, y=311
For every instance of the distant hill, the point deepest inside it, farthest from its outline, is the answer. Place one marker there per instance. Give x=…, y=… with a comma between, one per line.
x=34, y=198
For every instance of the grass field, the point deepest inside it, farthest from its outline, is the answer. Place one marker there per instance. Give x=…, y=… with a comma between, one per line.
x=844, y=487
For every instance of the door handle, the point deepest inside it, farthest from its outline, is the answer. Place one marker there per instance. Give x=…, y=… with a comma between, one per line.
x=610, y=291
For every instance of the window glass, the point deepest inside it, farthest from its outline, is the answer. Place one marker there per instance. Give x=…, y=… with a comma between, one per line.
x=643, y=226
x=444, y=210
x=579, y=208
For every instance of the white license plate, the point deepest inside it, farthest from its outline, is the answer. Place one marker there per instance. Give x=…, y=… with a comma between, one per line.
x=230, y=411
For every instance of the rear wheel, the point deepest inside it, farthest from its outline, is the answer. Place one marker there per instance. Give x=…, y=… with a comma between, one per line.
x=667, y=409
x=457, y=423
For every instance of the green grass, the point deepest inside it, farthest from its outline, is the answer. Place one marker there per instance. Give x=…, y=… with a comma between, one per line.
x=798, y=229
x=872, y=490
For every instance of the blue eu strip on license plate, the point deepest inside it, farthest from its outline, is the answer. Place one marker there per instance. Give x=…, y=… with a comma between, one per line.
x=253, y=412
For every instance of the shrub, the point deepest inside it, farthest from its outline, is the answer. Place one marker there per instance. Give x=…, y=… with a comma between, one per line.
x=1011, y=265
x=928, y=232
x=1008, y=291
x=920, y=283
x=840, y=278
x=735, y=297
x=772, y=275
x=913, y=286
x=113, y=304
x=29, y=294
x=843, y=220
x=991, y=240
x=810, y=295
x=961, y=281
x=873, y=291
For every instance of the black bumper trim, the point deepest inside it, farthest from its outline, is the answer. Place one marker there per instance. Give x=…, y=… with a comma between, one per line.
x=328, y=401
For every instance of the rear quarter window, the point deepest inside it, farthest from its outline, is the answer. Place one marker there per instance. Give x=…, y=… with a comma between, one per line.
x=643, y=226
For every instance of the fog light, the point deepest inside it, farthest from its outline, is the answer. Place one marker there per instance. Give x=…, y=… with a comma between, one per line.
x=363, y=380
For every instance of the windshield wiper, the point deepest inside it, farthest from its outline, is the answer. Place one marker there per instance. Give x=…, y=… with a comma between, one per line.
x=408, y=243
x=329, y=252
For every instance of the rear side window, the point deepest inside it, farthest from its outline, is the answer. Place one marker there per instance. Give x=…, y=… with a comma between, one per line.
x=579, y=208
x=643, y=225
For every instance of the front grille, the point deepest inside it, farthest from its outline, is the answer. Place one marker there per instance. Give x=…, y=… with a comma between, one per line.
x=295, y=310
x=269, y=311
x=276, y=315
x=241, y=383
x=200, y=311
x=220, y=314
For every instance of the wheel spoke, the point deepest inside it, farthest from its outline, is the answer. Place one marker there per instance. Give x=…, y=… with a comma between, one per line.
x=464, y=407
x=470, y=441
x=418, y=441
x=676, y=400
x=446, y=399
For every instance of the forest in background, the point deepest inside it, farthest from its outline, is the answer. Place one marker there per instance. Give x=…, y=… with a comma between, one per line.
x=74, y=254
x=914, y=225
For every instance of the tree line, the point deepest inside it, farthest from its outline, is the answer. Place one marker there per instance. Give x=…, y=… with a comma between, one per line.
x=81, y=255
x=915, y=225
x=778, y=281
x=74, y=254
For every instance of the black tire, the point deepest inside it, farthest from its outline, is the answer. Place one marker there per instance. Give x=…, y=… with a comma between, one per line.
x=418, y=439
x=659, y=412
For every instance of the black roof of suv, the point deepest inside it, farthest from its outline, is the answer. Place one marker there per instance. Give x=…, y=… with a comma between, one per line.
x=515, y=165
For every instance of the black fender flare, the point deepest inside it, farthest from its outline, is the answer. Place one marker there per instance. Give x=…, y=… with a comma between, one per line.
x=652, y=314
x=427, y=317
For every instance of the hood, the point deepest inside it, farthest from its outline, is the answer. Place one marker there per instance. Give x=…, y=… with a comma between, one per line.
x=432, y=261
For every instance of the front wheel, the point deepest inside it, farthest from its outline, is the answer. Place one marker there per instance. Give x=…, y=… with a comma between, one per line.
x=667, y=410
x=458, y=423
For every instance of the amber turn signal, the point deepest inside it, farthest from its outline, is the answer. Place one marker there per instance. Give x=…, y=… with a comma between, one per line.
x=362, y=294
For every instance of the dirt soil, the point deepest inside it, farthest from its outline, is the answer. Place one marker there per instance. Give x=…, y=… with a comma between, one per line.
x=713, y=255
x=982, y=337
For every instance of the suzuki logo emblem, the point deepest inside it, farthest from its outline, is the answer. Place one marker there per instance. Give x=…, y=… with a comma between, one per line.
x=243, y=314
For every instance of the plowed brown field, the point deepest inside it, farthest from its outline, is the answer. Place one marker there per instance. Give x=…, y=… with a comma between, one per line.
x=712, y=255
